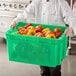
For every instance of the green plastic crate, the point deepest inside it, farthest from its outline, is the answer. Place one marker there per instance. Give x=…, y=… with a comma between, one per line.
x=36, y=50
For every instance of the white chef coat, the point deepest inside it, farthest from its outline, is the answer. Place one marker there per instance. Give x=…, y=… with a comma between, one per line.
x=54, y=12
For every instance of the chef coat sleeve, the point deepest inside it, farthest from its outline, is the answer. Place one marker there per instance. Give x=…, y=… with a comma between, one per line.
x=68, y=15
x=28, y=12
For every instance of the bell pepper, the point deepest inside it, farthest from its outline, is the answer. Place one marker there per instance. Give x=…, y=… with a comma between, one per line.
x=31, y=32
x=23, y=32
x=26, y=26
x=57, y=30
x=38, y=30
x=21, y=28
x=49, y=32
x=30, y=27
x=51, y=36
x=14, y=33
x=45, y=30
x=58, y=35
x=40, y=27
x=39, y=34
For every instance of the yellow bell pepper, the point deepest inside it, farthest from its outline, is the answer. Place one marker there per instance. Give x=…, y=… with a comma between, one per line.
x=31, y=32
x=30, y=27
x=51, y=36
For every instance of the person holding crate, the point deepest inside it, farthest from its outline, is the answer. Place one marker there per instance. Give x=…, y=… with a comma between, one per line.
x=53, y=12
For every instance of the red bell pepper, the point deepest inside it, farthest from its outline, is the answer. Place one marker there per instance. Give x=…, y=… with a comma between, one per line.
x=28, y=25
x=38, y=30
x=58, y=35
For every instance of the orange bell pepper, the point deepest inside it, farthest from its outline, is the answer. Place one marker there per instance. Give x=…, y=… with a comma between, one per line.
x=40, y=27
x=14, y=33
x=21, y=28
x=39, y=34
x=23, y=32
x=57, y=30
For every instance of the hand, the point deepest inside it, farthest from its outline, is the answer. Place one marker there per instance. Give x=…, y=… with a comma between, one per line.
x=13, y=25
x=68, y=31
